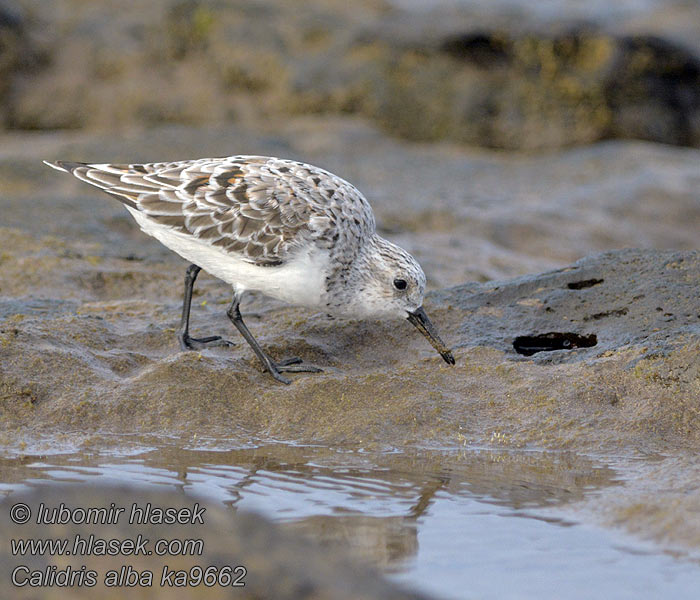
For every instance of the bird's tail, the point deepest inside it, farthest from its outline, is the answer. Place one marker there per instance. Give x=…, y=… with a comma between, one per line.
x=105, y=177
x=64, y=165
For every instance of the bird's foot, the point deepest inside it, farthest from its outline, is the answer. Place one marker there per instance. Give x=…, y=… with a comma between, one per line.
x=190, y=343
x=289, y=365
x=293, y=365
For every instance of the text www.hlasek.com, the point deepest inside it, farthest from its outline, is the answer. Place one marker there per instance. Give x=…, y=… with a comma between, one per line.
x=92, y=545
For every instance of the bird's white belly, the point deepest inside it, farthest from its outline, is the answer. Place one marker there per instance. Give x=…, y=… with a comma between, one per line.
x=299, y=281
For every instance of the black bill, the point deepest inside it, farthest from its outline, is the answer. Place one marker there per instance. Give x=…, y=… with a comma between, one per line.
x=423, y=324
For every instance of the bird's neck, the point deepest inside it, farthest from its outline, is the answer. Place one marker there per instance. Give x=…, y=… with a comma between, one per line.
x=347, y=278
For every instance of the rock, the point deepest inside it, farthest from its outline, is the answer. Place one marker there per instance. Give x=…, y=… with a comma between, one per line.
x=621, y=329
x=624, y=298
x=519, y=81
x=514, y=78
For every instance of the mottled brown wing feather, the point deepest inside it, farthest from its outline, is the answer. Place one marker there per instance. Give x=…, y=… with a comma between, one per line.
x=258, y=208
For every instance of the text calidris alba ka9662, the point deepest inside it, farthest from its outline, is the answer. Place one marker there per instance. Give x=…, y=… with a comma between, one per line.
x=284, y=228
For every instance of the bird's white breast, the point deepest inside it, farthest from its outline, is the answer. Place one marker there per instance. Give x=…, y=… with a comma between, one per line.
x=300, y=280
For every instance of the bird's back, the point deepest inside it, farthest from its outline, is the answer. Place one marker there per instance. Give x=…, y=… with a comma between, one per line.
x=261, y=210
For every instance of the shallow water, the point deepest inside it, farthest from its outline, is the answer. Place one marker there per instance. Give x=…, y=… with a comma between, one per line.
x=459, y=524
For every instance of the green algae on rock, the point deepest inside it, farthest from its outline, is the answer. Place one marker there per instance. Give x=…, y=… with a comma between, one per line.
x=478, y=77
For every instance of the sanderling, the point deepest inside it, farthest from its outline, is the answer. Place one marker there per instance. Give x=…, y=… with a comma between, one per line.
x=287, y=229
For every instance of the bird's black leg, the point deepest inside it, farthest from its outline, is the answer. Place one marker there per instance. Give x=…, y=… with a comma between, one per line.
x=291, y=365
x=183, y=334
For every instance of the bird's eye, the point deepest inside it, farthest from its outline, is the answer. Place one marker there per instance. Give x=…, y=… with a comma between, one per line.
x=400, y=284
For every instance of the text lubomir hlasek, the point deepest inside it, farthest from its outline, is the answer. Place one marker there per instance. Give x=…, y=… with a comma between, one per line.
x=138, y=515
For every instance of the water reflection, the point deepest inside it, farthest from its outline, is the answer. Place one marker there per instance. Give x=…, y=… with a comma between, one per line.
x=370, y=503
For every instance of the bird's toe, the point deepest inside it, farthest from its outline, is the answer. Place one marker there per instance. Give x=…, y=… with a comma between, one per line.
x=295, y=360
x=297, y=368
x=213, y=341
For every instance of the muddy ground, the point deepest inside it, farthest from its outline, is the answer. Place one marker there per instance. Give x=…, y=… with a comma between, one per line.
x=90, y=306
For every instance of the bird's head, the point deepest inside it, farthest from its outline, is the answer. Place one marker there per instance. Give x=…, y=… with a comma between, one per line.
x=391, y=285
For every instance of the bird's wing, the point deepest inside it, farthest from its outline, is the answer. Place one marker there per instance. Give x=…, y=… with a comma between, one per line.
x=257, y=208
